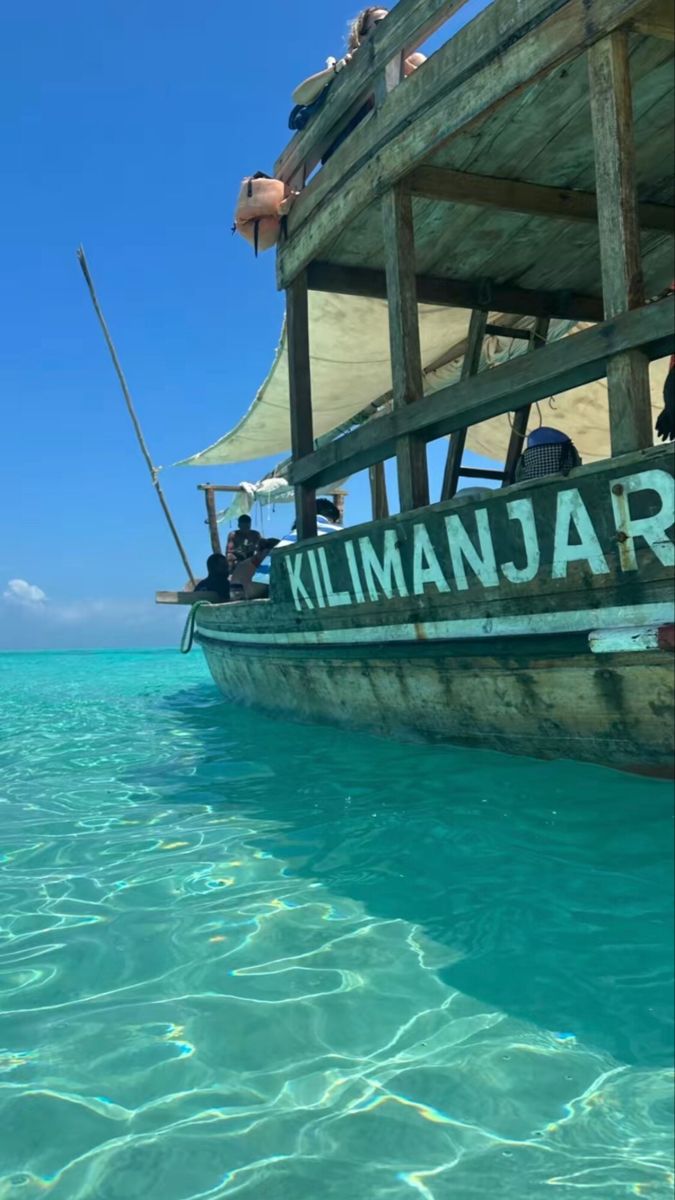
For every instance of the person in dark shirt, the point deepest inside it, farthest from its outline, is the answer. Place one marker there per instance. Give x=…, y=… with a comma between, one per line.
x=217, y=580
x=242, y=543
x=665, y=422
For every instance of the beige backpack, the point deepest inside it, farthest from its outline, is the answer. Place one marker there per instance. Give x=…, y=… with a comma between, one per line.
x=261, y=206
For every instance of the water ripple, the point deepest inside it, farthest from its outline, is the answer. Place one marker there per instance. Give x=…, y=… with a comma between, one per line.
x=239, y=958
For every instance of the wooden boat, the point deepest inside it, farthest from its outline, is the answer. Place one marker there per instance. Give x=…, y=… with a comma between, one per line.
x=523, y=170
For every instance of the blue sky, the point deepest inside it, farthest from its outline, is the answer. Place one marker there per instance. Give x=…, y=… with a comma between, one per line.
x=128, y=127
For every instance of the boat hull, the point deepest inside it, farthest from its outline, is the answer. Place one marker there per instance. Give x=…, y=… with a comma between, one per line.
x=536, y=620
x=547, y=698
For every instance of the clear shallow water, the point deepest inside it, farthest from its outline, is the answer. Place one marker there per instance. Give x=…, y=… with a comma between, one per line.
x=244, y=958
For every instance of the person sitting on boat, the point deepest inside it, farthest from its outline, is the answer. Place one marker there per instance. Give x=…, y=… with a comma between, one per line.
x=311, y=93
x=217, y=580
x=242, y=581
x=665, y=422
x=242, y=542
x=549, y=452
x=327, y=521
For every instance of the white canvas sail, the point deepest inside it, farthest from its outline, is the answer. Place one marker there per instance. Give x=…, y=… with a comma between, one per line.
x=350, y=364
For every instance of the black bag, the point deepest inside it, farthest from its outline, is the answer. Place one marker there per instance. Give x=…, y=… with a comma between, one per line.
x=303, y=113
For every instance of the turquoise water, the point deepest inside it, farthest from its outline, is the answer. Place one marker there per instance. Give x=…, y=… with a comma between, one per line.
x=244, y=958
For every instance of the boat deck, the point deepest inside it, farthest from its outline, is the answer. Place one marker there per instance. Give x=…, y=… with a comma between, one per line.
x=493, y=136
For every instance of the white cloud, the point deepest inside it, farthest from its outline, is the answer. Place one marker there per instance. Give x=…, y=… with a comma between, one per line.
x=21, y=592
x=32, y=599
x=40, y=623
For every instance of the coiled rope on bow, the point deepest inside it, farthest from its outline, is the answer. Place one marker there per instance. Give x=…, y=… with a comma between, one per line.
x=188, y=637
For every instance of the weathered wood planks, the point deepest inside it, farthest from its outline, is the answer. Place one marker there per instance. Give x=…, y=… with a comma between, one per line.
x=558, y=367
x=459, y=187
x=407, y=25
x=404, y=341
x=300, y=391
x=212, y=520
x=457, y=293
x=543, y=135
x=417, y=117
x=549, y=698
x=607, y=529
x=622, y=280
x=657, y=20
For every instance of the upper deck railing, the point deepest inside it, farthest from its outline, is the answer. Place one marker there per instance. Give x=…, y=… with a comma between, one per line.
x=503, y=49
x=509, y=47
x=373, y=71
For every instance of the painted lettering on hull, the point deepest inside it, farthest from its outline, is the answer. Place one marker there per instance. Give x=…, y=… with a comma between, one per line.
x=583, y=530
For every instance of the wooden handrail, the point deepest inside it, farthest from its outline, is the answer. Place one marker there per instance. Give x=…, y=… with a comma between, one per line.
x=558, y=367
x=489, y=60
x=408, y=24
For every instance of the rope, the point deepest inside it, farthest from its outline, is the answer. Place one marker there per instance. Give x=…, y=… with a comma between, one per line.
x=189, y=630
x=153, y=470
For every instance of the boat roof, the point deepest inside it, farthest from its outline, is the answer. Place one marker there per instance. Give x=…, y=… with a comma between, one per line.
x=493, y=138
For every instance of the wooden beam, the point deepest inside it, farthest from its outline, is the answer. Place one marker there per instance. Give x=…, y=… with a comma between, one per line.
x=389, y=77
x=378, y=492
x=656, y=20
x=492, y=58
x=300, y=392
x=508, y=331
x=560, y=366
x=212, y=520
x=480, y=473
x=219, y=487
x=439, y=183
x=470, y=367
x=630, y=414
x=522, y=416
x=404, y=342
x=457, y=293
x=187, y=597
x=408, y=24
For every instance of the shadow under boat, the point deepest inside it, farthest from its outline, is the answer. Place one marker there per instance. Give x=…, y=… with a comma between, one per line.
x=540, y=880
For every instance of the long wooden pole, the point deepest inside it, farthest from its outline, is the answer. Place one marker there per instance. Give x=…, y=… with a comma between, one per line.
x=300, y=391
x=404, y=341
x=132, y=413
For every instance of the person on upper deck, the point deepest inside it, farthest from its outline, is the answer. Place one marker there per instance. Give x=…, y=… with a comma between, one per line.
x=549, y=452
x=311, y=93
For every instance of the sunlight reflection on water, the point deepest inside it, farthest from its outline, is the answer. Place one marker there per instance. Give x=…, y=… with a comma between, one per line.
x=239, y=957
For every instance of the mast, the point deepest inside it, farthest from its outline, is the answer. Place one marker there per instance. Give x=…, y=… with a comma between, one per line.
x=152, y=469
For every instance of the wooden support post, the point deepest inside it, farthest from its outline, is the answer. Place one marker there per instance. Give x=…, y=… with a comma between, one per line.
x=562, y=365
x=469, y=367
x=300, y=390
x=404, y=341
x=378, y=491
x=622, y=282
x=212, y=520
x=338, y=499
x=522, y=416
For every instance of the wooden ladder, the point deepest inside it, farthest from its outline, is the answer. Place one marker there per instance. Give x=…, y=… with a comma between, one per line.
x=479, y=329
